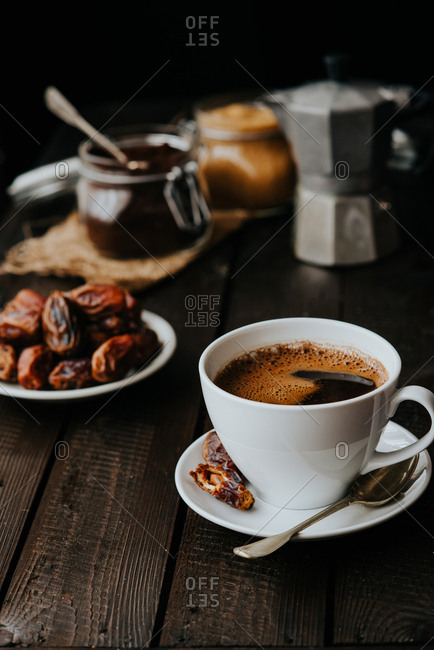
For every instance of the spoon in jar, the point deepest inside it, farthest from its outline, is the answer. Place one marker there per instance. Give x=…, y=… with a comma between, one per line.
x=373, y=489
x=61, y=107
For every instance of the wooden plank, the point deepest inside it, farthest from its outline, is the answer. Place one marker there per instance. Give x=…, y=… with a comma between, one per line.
x=280, y=599
x=267, y=282
x=27, y=442
x=222, y=600
x=28, y=434
x=285, y=647
x=394, y=298
x=92, y=569
x=384, y=591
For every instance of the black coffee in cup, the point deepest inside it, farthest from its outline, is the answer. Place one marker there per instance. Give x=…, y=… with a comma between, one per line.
x=274, y=374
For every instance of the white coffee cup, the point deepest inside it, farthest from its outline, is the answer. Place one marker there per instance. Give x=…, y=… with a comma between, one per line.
x=306, y=456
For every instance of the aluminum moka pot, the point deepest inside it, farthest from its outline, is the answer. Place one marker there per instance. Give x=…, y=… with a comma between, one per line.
x=340, y=132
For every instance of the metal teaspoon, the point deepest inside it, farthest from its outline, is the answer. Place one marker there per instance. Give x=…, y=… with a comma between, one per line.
x=373, y=489
x=342, y=376
x=61, y=107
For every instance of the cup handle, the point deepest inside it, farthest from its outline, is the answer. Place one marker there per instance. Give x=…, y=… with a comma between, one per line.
x=409, y=393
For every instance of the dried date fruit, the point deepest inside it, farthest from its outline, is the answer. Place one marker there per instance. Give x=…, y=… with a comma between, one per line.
x=114, y=358
x=101, y=321
x=95, y=335
x=98, y=300
x=20, y=321
x=147, y=343
x=27, y=299
x=60, y=325
x=224, y=484
x=34, y=366
x=70, y=374
x=98, y=331
x=132, y=311
x=214, y=452
x=8, y=362
x=114, y=325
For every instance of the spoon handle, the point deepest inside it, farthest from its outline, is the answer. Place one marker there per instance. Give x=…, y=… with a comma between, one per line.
x=267, y=545
x=341, y=376
x=61, y=107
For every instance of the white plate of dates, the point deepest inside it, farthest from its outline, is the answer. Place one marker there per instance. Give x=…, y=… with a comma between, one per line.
x=77, y=344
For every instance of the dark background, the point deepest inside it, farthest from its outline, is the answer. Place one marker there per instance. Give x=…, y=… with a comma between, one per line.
x=112, y=55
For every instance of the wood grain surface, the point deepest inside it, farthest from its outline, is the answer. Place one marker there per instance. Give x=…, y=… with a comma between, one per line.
x=92, y=568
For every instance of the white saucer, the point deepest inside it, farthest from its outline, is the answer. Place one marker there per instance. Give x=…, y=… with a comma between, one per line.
x=264, y=519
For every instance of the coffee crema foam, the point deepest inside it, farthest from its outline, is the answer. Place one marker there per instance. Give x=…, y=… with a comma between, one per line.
x=266, y=374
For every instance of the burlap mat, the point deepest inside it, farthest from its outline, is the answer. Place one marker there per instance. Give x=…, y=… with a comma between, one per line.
x=65, y=250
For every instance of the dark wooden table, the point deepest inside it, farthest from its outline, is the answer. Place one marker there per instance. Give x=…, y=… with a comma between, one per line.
x=97, y=548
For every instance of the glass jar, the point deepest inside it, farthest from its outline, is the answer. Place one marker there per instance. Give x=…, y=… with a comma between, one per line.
x=136, y=213
x=245, y=161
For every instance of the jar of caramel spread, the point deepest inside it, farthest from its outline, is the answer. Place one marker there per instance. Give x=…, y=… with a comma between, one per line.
x=245, y=160
x=139, y=213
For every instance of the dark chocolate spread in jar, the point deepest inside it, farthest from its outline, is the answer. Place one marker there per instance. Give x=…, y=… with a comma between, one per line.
x=139, y=213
